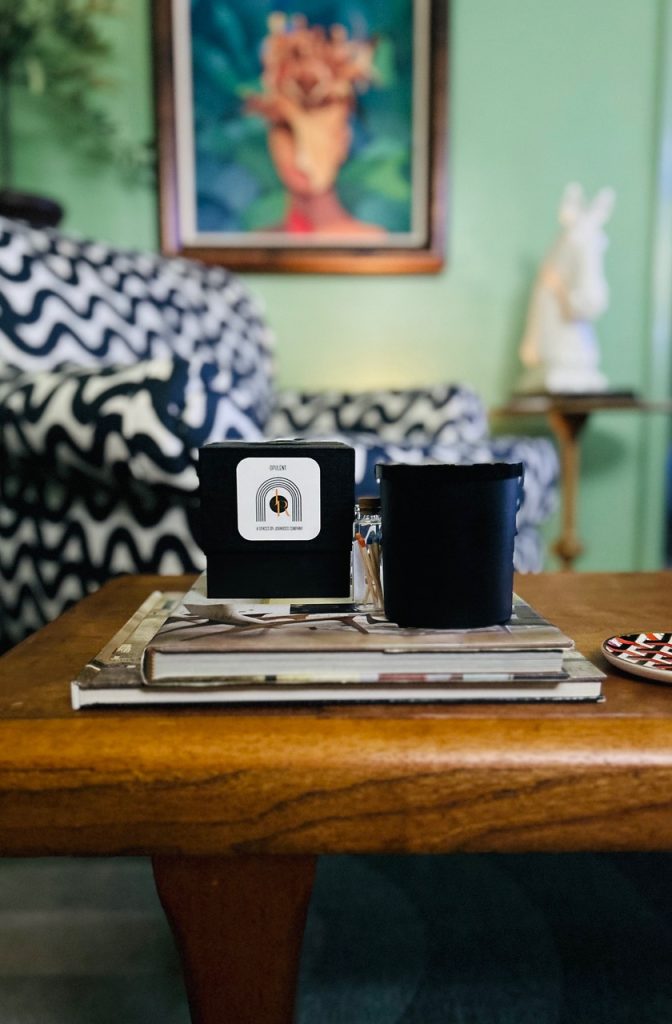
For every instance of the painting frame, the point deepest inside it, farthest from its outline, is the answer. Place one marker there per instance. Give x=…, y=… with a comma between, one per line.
x=419, y=251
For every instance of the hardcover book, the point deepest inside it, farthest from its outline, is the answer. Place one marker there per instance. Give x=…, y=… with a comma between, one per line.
x=208, y=639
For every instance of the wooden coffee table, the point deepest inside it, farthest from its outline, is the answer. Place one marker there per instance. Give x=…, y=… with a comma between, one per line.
x=233, y=805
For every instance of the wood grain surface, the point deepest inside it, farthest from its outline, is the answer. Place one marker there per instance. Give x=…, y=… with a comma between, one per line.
x=310, y=780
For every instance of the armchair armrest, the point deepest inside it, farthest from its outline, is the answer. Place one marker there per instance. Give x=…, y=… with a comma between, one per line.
x=144, y=421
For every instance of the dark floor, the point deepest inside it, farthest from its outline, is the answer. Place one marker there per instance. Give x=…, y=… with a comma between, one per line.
x=465, y=939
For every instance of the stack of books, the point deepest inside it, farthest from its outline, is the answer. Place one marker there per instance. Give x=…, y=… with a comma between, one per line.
x=187, y=648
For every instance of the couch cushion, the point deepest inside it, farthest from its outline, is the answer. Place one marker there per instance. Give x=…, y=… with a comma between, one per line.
x=68, y=300
x=146, y=420
x=445, y=413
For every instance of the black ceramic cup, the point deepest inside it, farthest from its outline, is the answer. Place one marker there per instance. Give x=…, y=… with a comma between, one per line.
x=448, y=535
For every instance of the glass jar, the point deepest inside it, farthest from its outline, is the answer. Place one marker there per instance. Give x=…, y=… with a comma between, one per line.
x=367, y=590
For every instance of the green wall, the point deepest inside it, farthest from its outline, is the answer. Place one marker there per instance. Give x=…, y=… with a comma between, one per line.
x=541, y=93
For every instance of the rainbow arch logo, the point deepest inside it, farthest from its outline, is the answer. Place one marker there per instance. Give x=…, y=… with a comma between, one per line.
x=292, y=503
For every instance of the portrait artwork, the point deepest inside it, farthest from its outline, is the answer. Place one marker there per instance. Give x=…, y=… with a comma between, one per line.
x=305, y=137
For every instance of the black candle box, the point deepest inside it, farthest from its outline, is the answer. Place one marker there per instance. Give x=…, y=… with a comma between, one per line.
x=276, y=518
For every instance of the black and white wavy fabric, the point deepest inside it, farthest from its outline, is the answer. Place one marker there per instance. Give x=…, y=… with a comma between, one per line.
x=445, y=413
x=67, y=300
x=62, y=536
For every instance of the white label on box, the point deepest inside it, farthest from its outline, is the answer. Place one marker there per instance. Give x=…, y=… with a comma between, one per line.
x=278, y=498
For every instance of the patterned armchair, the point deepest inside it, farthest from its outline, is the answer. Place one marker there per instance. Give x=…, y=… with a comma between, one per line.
x=115, y=367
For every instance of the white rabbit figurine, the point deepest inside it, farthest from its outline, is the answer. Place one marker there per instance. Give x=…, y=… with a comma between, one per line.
x=559, y=348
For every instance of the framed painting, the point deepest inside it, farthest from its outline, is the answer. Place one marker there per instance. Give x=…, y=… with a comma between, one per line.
x=307, y=137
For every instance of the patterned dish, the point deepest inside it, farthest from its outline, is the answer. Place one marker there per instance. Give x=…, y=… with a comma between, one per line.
x=643, y=654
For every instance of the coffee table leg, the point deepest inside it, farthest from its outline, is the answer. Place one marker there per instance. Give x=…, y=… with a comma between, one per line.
x=239, y=923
